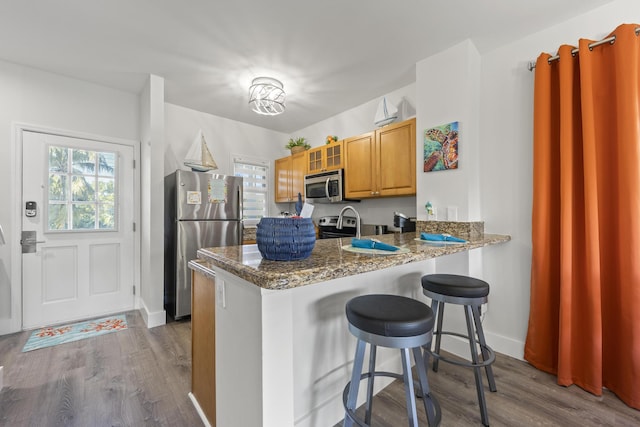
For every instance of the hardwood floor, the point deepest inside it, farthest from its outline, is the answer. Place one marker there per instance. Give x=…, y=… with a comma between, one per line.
x=135, y=377
x=141, y=377
x=525, y=397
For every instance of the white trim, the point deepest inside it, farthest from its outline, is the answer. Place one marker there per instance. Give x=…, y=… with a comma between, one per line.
x=14, y=323
x=152, y=319
x=199, y=410
x=248, y=159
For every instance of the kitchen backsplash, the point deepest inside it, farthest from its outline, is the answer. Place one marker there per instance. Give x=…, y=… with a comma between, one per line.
x=462, y=229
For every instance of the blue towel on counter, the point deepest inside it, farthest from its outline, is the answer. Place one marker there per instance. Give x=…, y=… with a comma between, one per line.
x=372, y=244
x=441, y=238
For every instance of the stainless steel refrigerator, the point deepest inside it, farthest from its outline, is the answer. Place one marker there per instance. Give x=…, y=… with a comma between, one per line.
x=201, y=210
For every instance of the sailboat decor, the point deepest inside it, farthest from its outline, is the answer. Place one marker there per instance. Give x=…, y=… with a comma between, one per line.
x=199, y=158
x=385, y=114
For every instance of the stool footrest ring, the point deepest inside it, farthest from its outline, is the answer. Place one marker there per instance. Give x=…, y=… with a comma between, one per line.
x=351, y=413
x=489, y=361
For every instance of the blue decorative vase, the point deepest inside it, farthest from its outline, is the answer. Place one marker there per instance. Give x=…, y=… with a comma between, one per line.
x=285, y=239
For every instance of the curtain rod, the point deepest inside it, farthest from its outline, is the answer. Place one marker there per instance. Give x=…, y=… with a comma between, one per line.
x=532, y=64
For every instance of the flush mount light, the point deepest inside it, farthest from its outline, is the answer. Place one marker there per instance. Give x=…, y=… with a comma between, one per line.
x=266, y=96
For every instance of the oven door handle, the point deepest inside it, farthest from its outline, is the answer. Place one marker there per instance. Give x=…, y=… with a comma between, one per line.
x=326, y=188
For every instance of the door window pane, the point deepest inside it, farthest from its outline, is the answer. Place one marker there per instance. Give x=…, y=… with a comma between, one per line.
x=82, y=189
x=106, y=190
x=84, y=161
x=106, y=164
x=57, y=217
x=58, y=159
x=57, y=187
x=84, y=216
x=107, y=217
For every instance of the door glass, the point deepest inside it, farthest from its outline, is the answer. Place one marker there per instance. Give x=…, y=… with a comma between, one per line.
x=82, y=190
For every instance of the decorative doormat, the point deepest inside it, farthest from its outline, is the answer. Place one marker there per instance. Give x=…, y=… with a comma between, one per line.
x=47, y=337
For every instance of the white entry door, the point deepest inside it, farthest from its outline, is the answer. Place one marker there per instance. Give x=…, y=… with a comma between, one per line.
x=77, y=238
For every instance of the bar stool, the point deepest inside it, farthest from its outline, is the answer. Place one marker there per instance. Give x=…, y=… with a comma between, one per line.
x=470, y=293
x=395, y=322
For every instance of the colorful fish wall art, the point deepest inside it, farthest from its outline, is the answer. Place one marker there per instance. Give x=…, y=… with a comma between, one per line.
x=441, y=148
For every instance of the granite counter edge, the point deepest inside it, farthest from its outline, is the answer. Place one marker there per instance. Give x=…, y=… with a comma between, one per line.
x=359, y=264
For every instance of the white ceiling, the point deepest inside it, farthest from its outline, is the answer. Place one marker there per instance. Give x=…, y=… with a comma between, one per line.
x=331, y=55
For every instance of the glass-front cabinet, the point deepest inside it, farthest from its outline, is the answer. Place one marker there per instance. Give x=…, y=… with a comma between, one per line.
x=325, y=158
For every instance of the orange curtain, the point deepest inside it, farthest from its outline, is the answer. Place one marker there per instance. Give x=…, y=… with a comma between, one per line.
x=584, y=321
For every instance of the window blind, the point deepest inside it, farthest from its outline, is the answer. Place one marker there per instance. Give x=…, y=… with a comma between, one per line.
x=255, y=188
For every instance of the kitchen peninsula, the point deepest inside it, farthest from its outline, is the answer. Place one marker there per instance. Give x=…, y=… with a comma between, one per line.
x=282, y=349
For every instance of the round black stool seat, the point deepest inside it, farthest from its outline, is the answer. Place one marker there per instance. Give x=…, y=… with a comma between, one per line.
x=455, y=286
x=390, y=315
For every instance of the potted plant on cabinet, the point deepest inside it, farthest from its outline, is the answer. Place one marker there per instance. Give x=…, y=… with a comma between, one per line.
x=297, y=145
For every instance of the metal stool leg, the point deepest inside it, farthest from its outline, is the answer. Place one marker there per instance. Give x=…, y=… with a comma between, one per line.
x=372, y=369
x=355, y=382
x=468, y=314
x=483, y=347
x=408, y=388
x=433, y=415
x=437, y=307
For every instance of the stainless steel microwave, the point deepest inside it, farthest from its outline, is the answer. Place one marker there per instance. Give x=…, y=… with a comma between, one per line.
x=324, y=187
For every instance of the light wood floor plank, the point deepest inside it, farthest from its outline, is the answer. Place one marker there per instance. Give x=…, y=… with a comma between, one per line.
x=525, y=397
x=141, y=377
x=135, y=377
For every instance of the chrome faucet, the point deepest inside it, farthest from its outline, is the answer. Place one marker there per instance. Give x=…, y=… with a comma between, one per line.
x=339, y=223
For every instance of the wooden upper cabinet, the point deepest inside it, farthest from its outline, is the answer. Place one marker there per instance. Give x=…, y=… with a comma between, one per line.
x=298, y=171
x=283, y=179
x=396, y=157
x=289, y=177
x=325, y=158
x=382, y=163
x=359, y=168
x=315, y=156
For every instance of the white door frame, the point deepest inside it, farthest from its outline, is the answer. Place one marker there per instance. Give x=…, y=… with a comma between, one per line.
x=14, y=323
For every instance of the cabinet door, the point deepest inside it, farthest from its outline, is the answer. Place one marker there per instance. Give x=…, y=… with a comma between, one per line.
x=298, y=171
x=396, y=159
x=203, y=344
x=359, y=167
x=283, y=179
x=315, y=156
x=334, y=157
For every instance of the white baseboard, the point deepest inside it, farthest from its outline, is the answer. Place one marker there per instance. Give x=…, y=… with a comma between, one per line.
x=499, y=344
x=153, y=319
x=1, y=377
x=199, y=410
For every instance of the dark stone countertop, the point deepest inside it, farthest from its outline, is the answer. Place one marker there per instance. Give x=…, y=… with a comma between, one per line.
x=329, y=261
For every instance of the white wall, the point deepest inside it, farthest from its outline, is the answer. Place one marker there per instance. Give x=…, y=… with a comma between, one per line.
x=44, y=99
x=224, y=137
x=448, y=90
x=354, y=122
x=506, y=126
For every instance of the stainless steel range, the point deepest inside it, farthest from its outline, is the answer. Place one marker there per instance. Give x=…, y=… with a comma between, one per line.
x=327, y=227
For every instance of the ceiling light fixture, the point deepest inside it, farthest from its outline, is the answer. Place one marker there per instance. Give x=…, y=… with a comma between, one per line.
x=266, y=96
